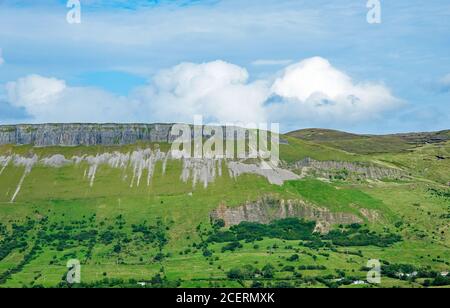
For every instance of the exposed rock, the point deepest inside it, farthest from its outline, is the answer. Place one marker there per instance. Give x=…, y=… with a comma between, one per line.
x=273, y=174
x=371, y=215
x=201, y=170
x=139, y=161
x=56, y=161
x=4, y=162
x=105, y=134
x=28, y=164
x=322, y=227
x=84, y=134
x=328, y=169
x=269, y=209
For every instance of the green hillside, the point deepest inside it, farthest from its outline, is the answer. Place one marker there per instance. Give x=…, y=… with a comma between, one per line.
x=162, y=235
x=368, y=144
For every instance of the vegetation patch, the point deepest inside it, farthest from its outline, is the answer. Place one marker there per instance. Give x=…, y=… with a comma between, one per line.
x=288, y=229
x=298, y=229
x=332, y=197
x=440, y=193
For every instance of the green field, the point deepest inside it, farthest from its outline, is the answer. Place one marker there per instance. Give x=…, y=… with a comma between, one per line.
x=161, y=234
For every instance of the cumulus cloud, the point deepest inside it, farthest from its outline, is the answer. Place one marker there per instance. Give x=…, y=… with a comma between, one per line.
x=51, y=100
x=218, y=90
x=34, y=91
x=314, y=90
x=311, y=90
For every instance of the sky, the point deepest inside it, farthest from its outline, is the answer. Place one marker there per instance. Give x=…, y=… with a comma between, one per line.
x=295, y=62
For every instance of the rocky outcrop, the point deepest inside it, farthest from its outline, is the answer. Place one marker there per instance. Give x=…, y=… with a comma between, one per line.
x=327, y=169
x=273, y=174
x=83, y=134
x=269, y=209
x=103, y=134
x=141, y=164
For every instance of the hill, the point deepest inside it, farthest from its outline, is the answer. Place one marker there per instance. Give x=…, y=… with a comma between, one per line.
x=369, y=144
x=130, y=213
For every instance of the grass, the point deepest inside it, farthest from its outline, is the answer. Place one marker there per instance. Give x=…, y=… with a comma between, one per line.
x=65, y=197
x=369, y=144
x=336, y=197
x=423, y=162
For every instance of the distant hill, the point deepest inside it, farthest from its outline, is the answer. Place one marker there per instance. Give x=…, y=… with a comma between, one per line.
x=370, y=144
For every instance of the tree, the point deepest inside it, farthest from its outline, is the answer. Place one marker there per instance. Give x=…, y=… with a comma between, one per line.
x=268, y=271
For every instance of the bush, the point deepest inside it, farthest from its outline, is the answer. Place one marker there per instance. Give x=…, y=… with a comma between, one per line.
x=293, y=258
x=244, y=273
x=231, y=246
x=441, y=281
x=287, y=229
x=361, y=237
x=288, y=268
x=268, y=271
x=218, y=224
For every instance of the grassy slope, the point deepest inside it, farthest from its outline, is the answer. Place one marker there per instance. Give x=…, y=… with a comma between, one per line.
x=369, y=144
x=423, y=162
x=299, y=149
x=64, y=196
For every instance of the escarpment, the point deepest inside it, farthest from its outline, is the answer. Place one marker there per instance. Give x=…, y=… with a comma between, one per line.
x=340, y=169
x=269, y=209
x=107, y=134
x=84, y=134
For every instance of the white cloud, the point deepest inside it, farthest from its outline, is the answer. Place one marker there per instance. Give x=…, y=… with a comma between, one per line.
x=34, y=91
x=1, y=57
x=311, y=90
x=267, y=62
x=315, y=90
x=217, y=90
x=151, y=38
x=51, y=100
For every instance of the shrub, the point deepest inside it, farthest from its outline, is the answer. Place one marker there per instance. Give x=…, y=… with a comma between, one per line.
x=293, y=258
x=231, y=246
x=268, y=271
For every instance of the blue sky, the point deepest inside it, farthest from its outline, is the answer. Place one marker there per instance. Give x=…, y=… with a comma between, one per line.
x=241, y=53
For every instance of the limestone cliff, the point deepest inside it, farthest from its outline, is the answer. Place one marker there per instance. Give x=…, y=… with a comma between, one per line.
x=269, y=209
x=351, y=170
x=102, y=134
x=83, y=134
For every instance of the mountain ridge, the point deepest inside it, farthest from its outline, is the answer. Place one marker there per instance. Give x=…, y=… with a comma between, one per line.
x=73, y=134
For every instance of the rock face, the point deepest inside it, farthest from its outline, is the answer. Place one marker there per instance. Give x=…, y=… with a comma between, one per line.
x=141, y=163
x=328, y=169
x=269, y=209
x=273, y=174
x=83, y=134
x=103, y=134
